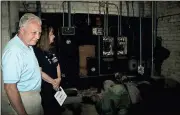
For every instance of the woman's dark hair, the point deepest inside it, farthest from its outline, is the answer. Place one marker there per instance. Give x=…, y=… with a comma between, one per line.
x=44, y=43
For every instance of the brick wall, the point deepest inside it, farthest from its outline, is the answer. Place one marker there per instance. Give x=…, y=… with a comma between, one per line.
x=84, y=7
x=169, y=29
x=5, y=28
x=9, y=16
x=5, y=38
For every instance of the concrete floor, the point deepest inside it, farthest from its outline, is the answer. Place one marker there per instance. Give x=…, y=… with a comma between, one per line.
x=156, y=101
x=87, y=109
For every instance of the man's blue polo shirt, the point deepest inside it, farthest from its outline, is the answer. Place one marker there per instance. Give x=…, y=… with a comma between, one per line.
x=20, y=65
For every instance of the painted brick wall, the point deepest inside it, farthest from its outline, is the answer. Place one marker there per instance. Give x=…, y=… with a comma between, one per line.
x=9, y=17
x=169, y=29
x=84, y=7
x=5, y=38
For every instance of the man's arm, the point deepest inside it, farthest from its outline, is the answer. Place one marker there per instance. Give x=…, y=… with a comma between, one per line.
x=15, y=98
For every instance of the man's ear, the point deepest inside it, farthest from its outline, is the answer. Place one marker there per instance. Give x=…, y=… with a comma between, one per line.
x=21, y=30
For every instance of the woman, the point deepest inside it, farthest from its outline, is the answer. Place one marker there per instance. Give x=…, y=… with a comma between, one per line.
x=50, y=70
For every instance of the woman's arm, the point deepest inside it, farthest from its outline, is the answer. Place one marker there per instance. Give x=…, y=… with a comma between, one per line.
x=47, y=78
x=58, y=71
x=58, y=80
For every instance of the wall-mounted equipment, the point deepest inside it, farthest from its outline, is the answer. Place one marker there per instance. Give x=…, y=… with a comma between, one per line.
x=121, y=46
x=68, y=30
x=108, y=41
x=140, y=65
x=108, y=44
x=97, y=31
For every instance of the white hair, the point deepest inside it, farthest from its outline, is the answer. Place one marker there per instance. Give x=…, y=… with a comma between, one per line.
x=27, y=17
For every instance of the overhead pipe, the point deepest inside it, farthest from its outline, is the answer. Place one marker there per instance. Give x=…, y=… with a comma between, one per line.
x=143, y=8
x=92, y=3
x=69, y=14
x=155, y=22
x=38, y=8
x=119, y=22
x=162, y=17
x=140, y=33
x=106, y=19
x=132, y=4
x=99, y=8
x=88, y=21
x=105, y=22
x=9, y=10
x=120, y=19
x=99, y=48
x=167, y=15
x=127, y=5
x=154, y=14
x=63, y=12
x=107, y=12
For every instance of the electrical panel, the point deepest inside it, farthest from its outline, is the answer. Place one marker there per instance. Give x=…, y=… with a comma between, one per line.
x=97, y=31
x=121, y=46
x=68, y=31
x=108, y=46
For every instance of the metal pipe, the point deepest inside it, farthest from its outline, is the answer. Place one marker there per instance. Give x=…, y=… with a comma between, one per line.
x=99, y=55
x=104, y=22
x=143, y=9
x=95, y=2
x=9, y=10
x=107, y=18
x=86, y=2
x=133, y=7
x=99, y=48
x=38, y=8
x=63, y=12
x=120, y=19
x=155, y=22
x=127, y=5
x=168, y=16
x=153, y=35
x=152, y=64
x=140, y=34
x=69, y=14
x=99, y=8
x=88, y=16
x=118, y=24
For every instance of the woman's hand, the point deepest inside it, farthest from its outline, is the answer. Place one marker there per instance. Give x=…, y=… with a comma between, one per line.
x=56, y=83
x=53, y=82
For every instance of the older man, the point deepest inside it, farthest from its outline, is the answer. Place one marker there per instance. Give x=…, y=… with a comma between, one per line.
x=21, y=72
